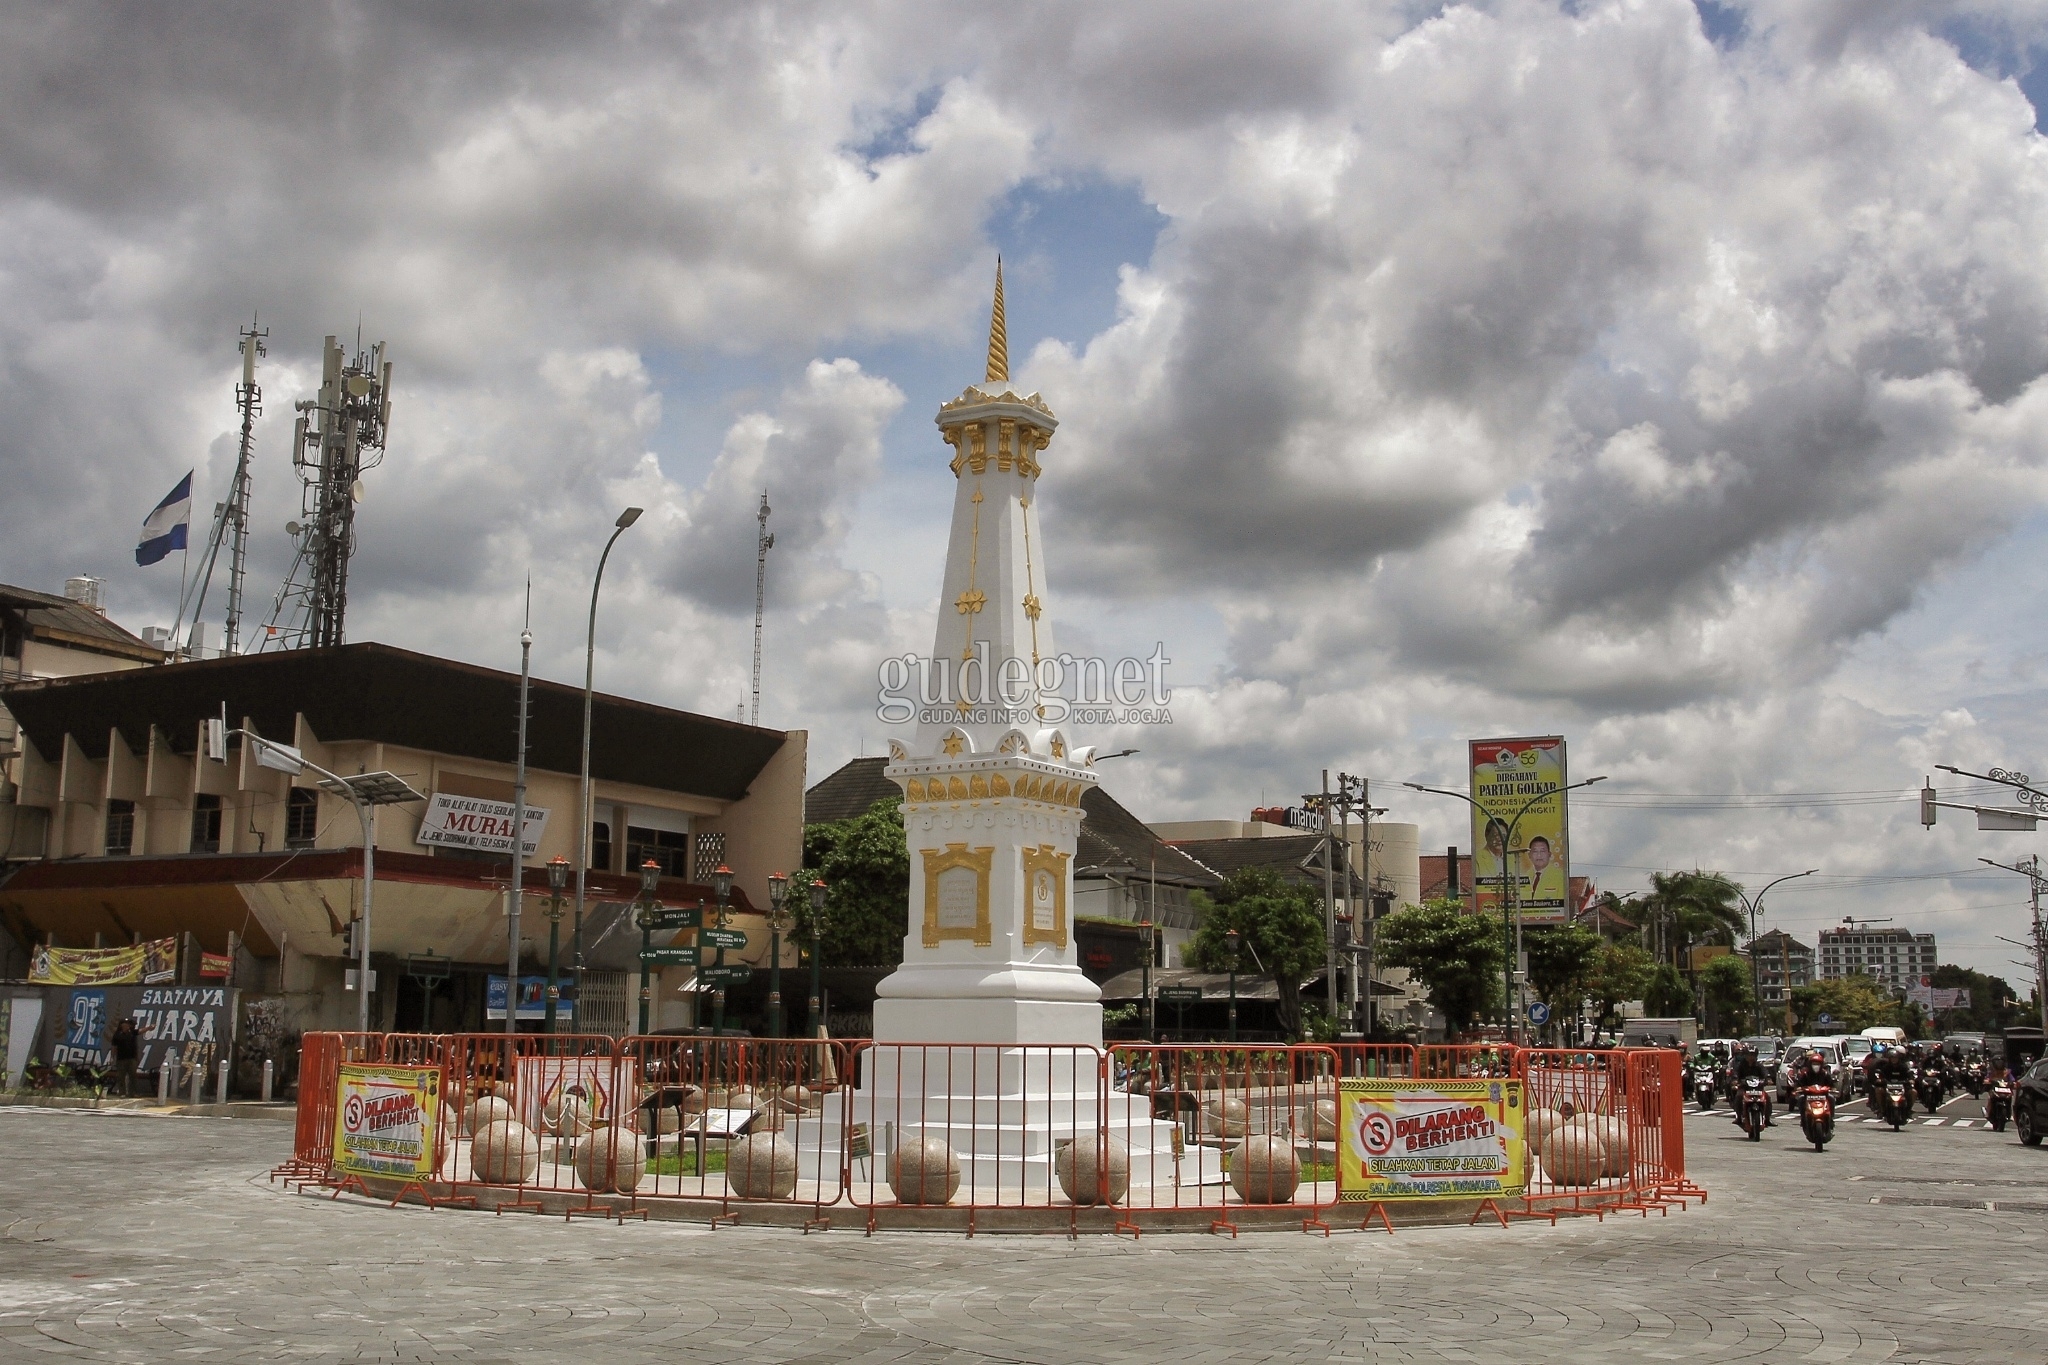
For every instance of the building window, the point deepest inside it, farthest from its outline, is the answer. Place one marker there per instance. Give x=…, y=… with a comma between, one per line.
x=600, y=846
x=710, y=853
x=301, y=818
x=669, y=850
x=120, y=828
x=206, y=824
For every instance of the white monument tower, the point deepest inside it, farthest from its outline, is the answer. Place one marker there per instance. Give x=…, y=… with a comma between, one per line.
x=992, y=793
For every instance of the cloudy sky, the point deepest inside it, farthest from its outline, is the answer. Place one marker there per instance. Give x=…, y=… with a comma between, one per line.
x=1666, y=375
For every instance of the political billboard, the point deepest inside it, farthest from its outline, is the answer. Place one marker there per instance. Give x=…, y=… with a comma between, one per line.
x=1453, y=1139
x=1519, y=827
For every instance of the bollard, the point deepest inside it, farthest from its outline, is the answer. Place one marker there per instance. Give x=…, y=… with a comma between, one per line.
x=269, y=1073
x=166, y=1075
x=198, y=1084
x=222, y=1097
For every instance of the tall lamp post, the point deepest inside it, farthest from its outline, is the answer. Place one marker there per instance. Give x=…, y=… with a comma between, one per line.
x=817, y=931
x=650, y=877
x=1230, y=939
x=721, y=886
x=1510, y=890
x=1145, y=932
x=779, y=923
x=1756, y=908
x=558, y=881
x=583, y=811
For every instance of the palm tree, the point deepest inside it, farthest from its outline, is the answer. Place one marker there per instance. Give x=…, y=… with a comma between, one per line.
x=1690, y=907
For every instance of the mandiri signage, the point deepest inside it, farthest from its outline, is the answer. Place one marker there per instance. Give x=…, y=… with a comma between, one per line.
x=473, y=822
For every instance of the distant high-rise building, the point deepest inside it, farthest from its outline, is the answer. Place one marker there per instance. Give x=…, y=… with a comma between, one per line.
x=1897, y=957
x=1783, y=964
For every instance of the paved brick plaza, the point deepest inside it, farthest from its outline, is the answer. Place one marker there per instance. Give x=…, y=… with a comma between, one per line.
x=133, y=1237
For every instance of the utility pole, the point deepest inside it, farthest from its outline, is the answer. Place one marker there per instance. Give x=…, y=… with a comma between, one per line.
x=1329, y=904
x=764, y=541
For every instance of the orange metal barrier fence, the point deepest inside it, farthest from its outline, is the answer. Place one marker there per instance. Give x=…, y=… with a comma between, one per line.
x=1163, y=1134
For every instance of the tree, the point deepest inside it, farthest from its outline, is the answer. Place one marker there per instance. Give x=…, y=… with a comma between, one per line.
x=1457, y=957
x=1280, y=930
x=1668, y=996
x=1621, y=972
x=1728, y=993
x=1696, y=907
x=1561, y=960
x=1994, y=1005
x=1852, y=1003
x=865, y=865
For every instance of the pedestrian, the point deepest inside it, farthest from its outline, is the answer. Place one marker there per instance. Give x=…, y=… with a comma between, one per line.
x=126, y=1044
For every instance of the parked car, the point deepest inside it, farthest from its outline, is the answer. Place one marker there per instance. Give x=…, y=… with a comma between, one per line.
x=2030, y=1104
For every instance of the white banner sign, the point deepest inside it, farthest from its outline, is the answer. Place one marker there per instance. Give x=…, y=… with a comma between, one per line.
x=472, y=822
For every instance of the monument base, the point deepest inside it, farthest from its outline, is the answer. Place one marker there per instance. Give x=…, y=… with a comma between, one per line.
x=1066, y=1023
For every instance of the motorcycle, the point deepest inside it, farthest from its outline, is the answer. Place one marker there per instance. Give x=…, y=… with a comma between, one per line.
x=1931, y=1090
x=1703, y=1086
x=1998, y=1105
x=1973, y=1079
x=1817, y=1114
x=1754, y=1107
x=1896, y=1104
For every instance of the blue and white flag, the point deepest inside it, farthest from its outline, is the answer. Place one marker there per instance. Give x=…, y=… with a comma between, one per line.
x=164, y=529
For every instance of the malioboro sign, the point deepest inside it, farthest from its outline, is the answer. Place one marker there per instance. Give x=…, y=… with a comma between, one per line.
x=472, y=822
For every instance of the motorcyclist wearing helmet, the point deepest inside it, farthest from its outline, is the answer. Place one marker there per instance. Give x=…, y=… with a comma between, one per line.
x=1743, y=1065
x=1809, y=1068
x=1888, y=1064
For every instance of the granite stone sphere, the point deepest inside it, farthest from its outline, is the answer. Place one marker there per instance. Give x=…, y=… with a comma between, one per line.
x=568, y=1115
x=1542, y=1123
x=610, y=1159
x=505, y=1152
x=805, y=1100
x=761, y=1166
x=1265, y=1170
x=485, y=1109
x=770, y=1118
x=1317, y=1122
x=1081, y=1177
x=1574, y=1154
x=1614, y=1136
x=924, y=1171
x=1228, y=1117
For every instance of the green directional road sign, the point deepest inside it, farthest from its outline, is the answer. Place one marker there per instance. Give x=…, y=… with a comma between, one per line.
x=736, y=975
x=675, y=919
x=1180, y=995
x=723, y=938
x=670, y=957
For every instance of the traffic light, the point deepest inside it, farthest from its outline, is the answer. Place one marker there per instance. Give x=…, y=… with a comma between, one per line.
x=1927, y=804
x=348, y=938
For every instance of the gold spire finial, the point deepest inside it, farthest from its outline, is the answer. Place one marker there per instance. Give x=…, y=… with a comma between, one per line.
x=998, y=335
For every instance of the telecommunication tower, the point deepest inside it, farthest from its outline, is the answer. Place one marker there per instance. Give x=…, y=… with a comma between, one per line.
x=338, y=437
x=231, y=518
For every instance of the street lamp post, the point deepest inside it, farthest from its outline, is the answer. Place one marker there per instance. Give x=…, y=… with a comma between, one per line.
x=1230, y=938
x=779, y=922
x=1511, y=902
x=650, y=876
x=558, y=881
x=583, y=811
x=1145, y=932
x=1756, y=908
x=818, y=891
x=721, y=885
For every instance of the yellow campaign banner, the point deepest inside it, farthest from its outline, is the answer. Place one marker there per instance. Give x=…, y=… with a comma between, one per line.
x=131, y=966
x=1399, y=1140
x=1519, y=818
x=384, y=1120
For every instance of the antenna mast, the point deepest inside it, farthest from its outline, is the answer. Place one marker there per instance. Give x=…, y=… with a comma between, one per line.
x=231, y=518
x=764, y=541
x=338, y=436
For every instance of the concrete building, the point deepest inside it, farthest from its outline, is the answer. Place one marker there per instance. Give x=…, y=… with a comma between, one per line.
x=42, y=636
x=1897, y=957
x=143, y=837
x=1782, y=964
